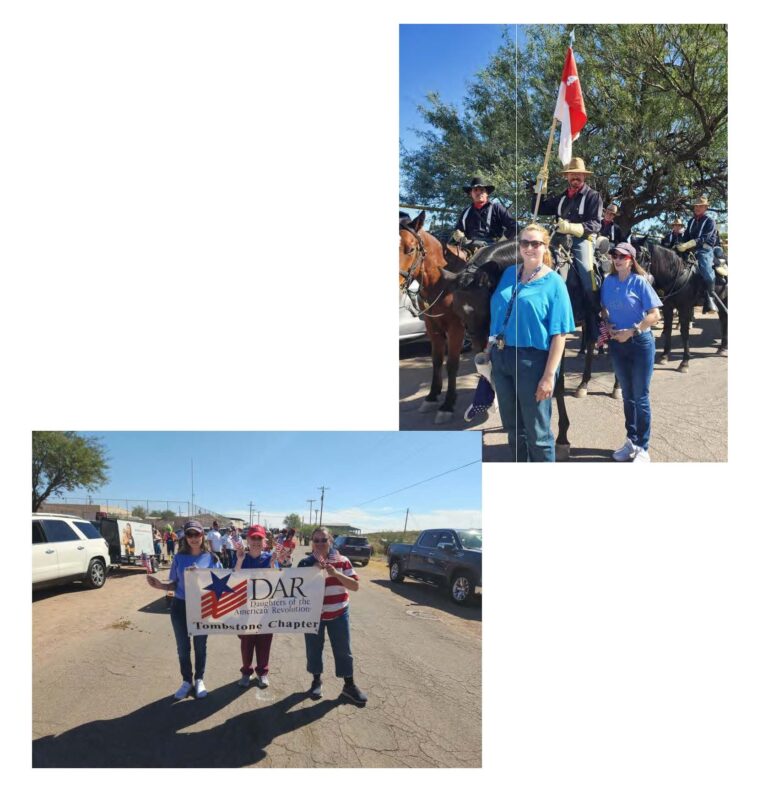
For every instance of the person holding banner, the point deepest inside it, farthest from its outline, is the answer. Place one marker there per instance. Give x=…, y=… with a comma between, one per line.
x=194, y=552
x=254, y=557
x=340, y=580
x=530, y=317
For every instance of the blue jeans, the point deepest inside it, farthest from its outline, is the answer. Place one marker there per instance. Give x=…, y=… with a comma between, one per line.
x=633, y=366
x=183, y=647
x=338, y=633
x=516, y=373
x=706, y=257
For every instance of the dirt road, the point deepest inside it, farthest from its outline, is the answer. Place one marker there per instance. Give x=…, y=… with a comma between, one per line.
x=690, y=411
x=105, y=667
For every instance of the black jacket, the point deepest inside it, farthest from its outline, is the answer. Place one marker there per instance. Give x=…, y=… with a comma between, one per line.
x=703, y=231
x=488, y=223
x=612, y=232
x=586, y=207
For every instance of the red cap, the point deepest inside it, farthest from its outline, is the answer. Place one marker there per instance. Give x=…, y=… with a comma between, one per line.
x=256, y=530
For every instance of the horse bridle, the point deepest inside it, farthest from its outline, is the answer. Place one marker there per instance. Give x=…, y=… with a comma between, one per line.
x=684, y=272
x=412, y=273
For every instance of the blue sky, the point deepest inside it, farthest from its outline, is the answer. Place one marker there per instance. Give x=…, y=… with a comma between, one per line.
x=279, y=471
x=441, y=58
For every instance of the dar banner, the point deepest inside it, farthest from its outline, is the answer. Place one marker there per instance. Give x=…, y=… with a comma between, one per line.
x=253, y=601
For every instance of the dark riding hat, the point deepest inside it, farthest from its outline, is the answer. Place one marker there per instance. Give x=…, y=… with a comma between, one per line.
x=478, y=181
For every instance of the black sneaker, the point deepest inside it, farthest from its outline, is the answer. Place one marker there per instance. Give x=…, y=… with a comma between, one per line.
x=354, y=694
x=316, y=692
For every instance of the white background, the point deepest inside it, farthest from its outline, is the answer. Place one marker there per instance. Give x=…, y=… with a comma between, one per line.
x=206, y=191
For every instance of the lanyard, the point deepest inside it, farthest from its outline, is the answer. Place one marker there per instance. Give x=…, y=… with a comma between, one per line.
x=515, y=291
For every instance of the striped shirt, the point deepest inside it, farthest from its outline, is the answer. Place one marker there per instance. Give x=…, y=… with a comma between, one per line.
x=336, y=599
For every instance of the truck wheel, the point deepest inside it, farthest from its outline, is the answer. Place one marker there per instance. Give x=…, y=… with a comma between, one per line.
x=364, y=563
x=97, y=574
x=395, y=573
x=461, y=589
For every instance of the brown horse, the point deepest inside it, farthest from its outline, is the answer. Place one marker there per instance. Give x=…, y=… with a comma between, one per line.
x=421, y=258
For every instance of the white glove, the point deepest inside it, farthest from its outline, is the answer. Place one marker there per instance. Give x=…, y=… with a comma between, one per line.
x=458, y=236
x=681, y=247
x=566, y=227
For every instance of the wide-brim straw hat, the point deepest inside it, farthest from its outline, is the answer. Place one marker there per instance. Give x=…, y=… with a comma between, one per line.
x=702, y=200
x=612, y=208
x=576, y=165
x=678, y=222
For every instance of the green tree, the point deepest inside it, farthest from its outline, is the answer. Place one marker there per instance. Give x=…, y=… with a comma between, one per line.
x=292, y=520
x=64, y=461
x=162, y=514
x=139, y=511
x=656, y=98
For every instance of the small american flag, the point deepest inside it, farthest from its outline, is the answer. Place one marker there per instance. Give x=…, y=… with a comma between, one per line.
x=603, y=337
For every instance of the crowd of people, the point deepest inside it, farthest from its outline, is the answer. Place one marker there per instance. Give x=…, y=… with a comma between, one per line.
x=194, y=548
x=531, y=311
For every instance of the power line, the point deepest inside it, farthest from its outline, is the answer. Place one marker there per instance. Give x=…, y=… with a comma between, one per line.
x=421, y=482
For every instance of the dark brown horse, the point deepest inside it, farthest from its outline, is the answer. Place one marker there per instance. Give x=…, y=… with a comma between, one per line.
x=680, y=288
x=421, y=260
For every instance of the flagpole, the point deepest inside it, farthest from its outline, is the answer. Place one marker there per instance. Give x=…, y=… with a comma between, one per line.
x=544, y=169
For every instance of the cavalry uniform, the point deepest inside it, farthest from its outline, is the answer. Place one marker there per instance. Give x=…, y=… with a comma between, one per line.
x=612, y=232
x=484, y=221
x=703, y=231
x=672, y=238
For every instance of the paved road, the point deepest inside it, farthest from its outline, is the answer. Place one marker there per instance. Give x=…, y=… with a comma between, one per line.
x=105, y=667
x=690, y=412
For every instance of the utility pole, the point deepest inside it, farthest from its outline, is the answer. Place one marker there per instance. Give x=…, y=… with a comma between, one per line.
x=192, y=468
x=322, y=490
x=310, y=510
x=258, y=517
x=407, y=510
x=250, y=513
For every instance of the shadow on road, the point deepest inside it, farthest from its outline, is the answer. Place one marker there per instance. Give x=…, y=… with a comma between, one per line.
x=152, y=737
x=434, y=597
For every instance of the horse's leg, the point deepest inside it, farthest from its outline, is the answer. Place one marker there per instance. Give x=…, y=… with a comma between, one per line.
x=583, y=346
x=685, y=313
x=455, y=341
x=562, y=445
x=666, y=333
x=723, y=316
x=438, y=353
x=581, y=390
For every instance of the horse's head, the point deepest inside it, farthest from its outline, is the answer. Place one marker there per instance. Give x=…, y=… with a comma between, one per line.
x=412, y=251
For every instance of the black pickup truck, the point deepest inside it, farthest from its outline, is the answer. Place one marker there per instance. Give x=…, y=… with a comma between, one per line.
x=449, y=557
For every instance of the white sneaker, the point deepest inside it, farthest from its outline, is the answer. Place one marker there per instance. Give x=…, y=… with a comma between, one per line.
x=263, y=681
x=244, y=681
x=200, y=690
x=642, y=456
x=627, y=452
x=183, y=691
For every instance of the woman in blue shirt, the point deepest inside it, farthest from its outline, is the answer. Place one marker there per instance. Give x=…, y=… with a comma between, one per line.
x=631, y=308
x=254, y=558
x=194, y=553
x=530, y=317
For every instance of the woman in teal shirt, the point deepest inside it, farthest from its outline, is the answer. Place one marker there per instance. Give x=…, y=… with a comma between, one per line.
x=530, y=317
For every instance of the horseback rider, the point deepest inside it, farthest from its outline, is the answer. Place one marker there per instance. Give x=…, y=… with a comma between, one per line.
x=579, y=210
x=609, y=228
x=672, y=238
x=701, y=234
x=483, y=221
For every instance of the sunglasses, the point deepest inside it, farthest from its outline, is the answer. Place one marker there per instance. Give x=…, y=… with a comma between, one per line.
x=618, y=256
x=319, y=540
x=531, y=243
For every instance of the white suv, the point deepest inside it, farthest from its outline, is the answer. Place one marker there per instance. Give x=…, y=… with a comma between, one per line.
x=67, y=548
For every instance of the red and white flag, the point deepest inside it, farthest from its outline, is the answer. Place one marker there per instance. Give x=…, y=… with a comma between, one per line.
x=570, y=109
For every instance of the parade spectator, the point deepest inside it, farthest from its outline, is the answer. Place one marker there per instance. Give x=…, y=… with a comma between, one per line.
x=214, y=539
x=530, y=317
x=227, y=552
x=169, y=540
x=284, y=546
x=340, y=580
x=254, y=556
x=630, y=308
x=483, y=221
x=579, y=210
x=157, y=542
x=194, y=553
x=675, y=236
x=701, y=234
